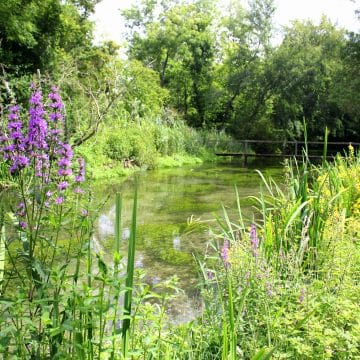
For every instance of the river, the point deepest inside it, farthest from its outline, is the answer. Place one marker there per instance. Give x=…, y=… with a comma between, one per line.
x=167, y=199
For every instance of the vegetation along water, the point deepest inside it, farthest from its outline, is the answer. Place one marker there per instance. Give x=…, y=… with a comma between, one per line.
x=122, y=236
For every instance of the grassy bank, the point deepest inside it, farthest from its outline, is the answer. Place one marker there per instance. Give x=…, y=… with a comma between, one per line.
x=148, y=145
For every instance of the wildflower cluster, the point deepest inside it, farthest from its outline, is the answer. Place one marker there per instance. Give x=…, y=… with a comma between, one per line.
x=35, y=148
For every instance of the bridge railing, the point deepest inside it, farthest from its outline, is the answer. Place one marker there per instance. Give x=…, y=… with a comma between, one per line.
x=287, y=148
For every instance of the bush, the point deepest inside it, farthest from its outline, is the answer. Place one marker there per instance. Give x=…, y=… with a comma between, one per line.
x=118, y=146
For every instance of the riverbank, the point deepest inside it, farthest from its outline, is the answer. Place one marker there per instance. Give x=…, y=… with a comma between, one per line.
x=283, y=281
x=148, y=145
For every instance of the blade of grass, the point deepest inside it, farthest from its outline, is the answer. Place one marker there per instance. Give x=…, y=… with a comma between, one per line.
x=118, y=206
x=241, y=220
x=129, y=278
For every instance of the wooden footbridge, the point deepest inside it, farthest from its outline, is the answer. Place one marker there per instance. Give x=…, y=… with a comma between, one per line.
x=290, y=149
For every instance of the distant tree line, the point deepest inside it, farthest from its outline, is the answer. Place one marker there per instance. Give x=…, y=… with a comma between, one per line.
x=215, y=69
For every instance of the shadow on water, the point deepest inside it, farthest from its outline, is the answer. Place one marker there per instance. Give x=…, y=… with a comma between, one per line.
x=167, y=199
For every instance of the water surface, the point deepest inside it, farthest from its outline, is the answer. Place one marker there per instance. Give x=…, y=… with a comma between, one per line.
x=167, y=199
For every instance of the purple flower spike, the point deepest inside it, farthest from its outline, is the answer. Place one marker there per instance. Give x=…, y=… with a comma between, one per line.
x=19, y=162
x=225, y=253
x=302, y=295
x=56, y=105
x=15, y=144
x=64, y=162
x=37, y=131
x=63, y=185
x=81, y=175
x=254, y=240
x=59, y=200
x=21, y=210
x=42, y=163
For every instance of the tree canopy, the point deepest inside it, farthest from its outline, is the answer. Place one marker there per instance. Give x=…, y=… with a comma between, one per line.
x=216, y=69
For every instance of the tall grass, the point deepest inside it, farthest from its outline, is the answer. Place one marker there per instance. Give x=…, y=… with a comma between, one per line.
x=296, y=269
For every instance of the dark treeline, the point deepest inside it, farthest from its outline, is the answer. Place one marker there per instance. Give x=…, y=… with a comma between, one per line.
x=215, y=69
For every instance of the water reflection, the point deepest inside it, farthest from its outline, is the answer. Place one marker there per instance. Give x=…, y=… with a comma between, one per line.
x=105, y=226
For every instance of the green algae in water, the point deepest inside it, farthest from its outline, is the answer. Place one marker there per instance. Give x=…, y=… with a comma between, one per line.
x=158, y=239
x=189, y=205
x=167, y=198
x=156, y=231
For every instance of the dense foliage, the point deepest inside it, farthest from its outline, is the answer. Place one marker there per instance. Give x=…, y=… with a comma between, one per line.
x=210, y=68
x=222, y=70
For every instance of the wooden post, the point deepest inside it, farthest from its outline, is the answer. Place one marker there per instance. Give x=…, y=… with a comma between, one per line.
x=245, y=152
x=296, y=148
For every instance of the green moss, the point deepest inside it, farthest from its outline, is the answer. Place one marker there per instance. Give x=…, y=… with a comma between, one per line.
x=188, y=204
x=175, y=257
x=157, y=231
x=157, y=240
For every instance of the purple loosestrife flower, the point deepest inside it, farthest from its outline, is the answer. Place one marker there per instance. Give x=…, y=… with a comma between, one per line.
x=64, y=162
x=59, y=200
x=55, y=116
x=37, y=132
x=19, y=162
x=84, y=212
x=42, y=164
x=269, y=290
x=302, y=295
x=79, y=191
x=254, y=240
x=23, y=225
x=81, y=175
x=14, y=152
x=225, y=253
x=20, y=210
x=56, y=102
x=63, y=185
x=210, y=275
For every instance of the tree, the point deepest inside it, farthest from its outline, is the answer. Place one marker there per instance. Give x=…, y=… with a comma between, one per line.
x=346, y=86
x=304, y=68
x=179, y=45
x=245, y=43
x=35, y=32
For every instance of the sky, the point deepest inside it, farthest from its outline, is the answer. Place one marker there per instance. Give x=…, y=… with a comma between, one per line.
x=109, y=24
